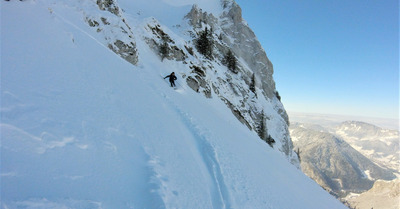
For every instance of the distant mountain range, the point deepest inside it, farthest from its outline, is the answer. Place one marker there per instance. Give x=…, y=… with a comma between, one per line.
x=384, y=194
x=333, y=163
x=379, y=145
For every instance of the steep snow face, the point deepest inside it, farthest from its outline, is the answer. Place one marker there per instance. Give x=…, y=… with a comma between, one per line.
x=175, y=27
x=81, y=127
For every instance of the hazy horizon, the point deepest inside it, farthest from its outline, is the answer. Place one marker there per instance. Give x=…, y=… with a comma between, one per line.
x=332, y=119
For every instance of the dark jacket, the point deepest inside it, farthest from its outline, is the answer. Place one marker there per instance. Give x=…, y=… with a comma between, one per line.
x=172, y=77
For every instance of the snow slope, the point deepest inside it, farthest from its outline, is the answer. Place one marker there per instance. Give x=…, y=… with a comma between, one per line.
x=83, y=128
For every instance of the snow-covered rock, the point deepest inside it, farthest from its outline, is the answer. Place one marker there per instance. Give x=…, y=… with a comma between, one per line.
x=231, y=32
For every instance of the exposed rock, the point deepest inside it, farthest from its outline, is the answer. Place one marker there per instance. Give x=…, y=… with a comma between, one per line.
x=193, y=83
x=92, y=23
x=110, y=27
x=108, y=5
x=162, y=39
x=246, y=45
x=126, y=51
x=197, y=18
x=238, y=114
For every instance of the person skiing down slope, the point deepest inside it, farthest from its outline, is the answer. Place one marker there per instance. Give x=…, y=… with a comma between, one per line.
x=172, y=79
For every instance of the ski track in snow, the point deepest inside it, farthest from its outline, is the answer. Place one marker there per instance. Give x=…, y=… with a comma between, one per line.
x=220, y=195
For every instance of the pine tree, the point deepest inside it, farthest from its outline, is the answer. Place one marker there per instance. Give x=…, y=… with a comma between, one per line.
x=230, y=61
x=220, y=36
x=270, y=140
x=253, y=84
x=277, y=95
x=261, y=131
x=298, y=153
x=261, y=126
x=204, y=43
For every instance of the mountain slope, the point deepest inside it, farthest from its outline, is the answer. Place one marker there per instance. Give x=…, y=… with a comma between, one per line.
x=333, y=163
x=384, y=194
x=379, y=145
x=81, y=127
x=178, y=38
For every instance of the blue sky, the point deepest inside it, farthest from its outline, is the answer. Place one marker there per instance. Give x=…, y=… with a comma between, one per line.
x=334, y=57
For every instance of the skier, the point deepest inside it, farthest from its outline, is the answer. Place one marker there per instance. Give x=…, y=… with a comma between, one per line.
x=172, y=79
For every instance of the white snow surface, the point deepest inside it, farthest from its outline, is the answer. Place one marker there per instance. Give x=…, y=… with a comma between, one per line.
x=83, y=128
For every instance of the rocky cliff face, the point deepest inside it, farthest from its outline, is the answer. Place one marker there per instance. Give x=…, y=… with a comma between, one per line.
x=252, y=107
x=245, y=44
x=109, y=22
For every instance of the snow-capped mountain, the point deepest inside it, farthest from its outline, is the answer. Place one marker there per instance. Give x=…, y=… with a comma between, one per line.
x=378, y=144
x=87, y=120
x=333, y=163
